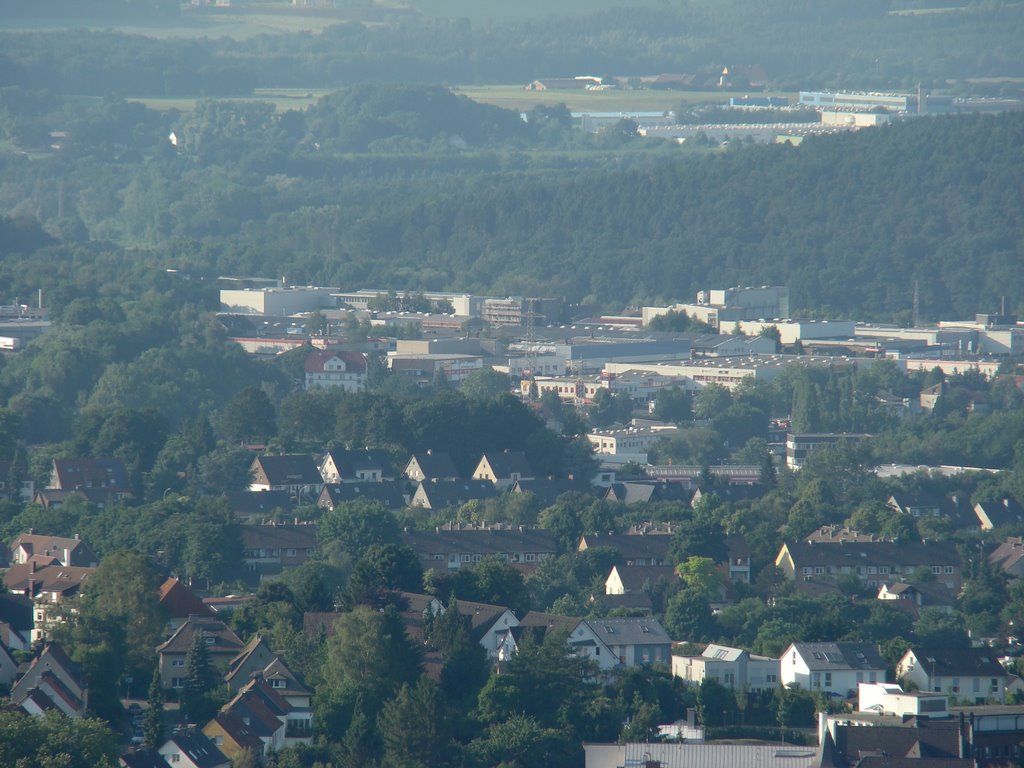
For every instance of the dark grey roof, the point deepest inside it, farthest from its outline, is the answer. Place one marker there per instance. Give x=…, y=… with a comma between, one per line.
x=350, y=462
x=200, y=749
x=962, y=662
x=925, y=739
x=277, y=535
x=506, y=463
x=861, y=553
x=454, y=493
x=841, y=655
x=91, y=473
x=390, y=493
x=290, y=469
x=433, y=464
x=632, y=631
x=629, y=492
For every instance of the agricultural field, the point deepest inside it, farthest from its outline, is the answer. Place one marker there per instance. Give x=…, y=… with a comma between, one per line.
x=503, y=10
x=283, y=99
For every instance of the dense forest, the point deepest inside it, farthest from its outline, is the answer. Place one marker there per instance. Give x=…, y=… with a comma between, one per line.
x=800, y=45
x=408, y=187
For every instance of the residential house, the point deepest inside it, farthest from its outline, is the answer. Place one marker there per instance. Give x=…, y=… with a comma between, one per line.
x=445, y=494
x=974, y=674
x=330, y=368
x=454, y=547
x=629, y=492
x=51, y=498
x=52, y=682
x=258, y=506
x=628, y=443
x=994, y=514
x=16, y=621
x=503, y=468
x=431, y=465
x=268, y=550
x=833, y=668
x=190, y=748
x=625, y=580
x=67, y=551
x=266, y=713
x=891, y=699
x=8, y=667
x=49, y=585
x=626, y=642
x=236, y=740
x=955, y=507
x=873, y=562
x=887, y=742
x=735, y=668
x=178, y=602
x=106, y=475
x=534, y=625
x=257, y=660
x=370, y=465
x=222, y=644
x=295, y=474
x=633, y=549
x=1008, y=557
x=390, y=493
x=486, y=623
x=913, y=598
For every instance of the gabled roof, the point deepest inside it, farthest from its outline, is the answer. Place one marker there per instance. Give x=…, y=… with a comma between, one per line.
x=289, y=469
x=439, y=494
x=634, y=578
x=505, y=464
x=432, y=465
x=390, y=493
x=225, y=641
x=355, y=362
x=236, y=729
x=257, y=644
x=200, y=749
x=628, y=631
x=72, y=474
x=731, y=493
x=932, y=740
x=1009, y=553
x=278, y=669
x=48, y=577
x=180, y=602
x=861, y=553
x=630, y=492
x=51, y=658
x=349, y=463
x=16, y=611
x=840, y=656
x=1005, y=511
x=51, y=498
x=552, y=621
x=67, y=550
x=966, y=662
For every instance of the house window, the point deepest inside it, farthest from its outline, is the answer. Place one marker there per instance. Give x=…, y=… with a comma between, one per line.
x=772, y=678
x=818, y=569
x=178, y=663
x=828, y=679
x=175, y=757
x=277, y=683
x=291, y=552
x=883, y=569
x=947, y=569
x=176, y=682
x=530, y=557
x=210, y=639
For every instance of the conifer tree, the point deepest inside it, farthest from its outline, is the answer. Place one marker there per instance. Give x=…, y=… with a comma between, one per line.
x=153, y=722
x=200, y=679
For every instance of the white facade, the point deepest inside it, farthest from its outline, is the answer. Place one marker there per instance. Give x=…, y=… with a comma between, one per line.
x=279, y=302
x=818, y=674
x=891, y=699
x=732, y=667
